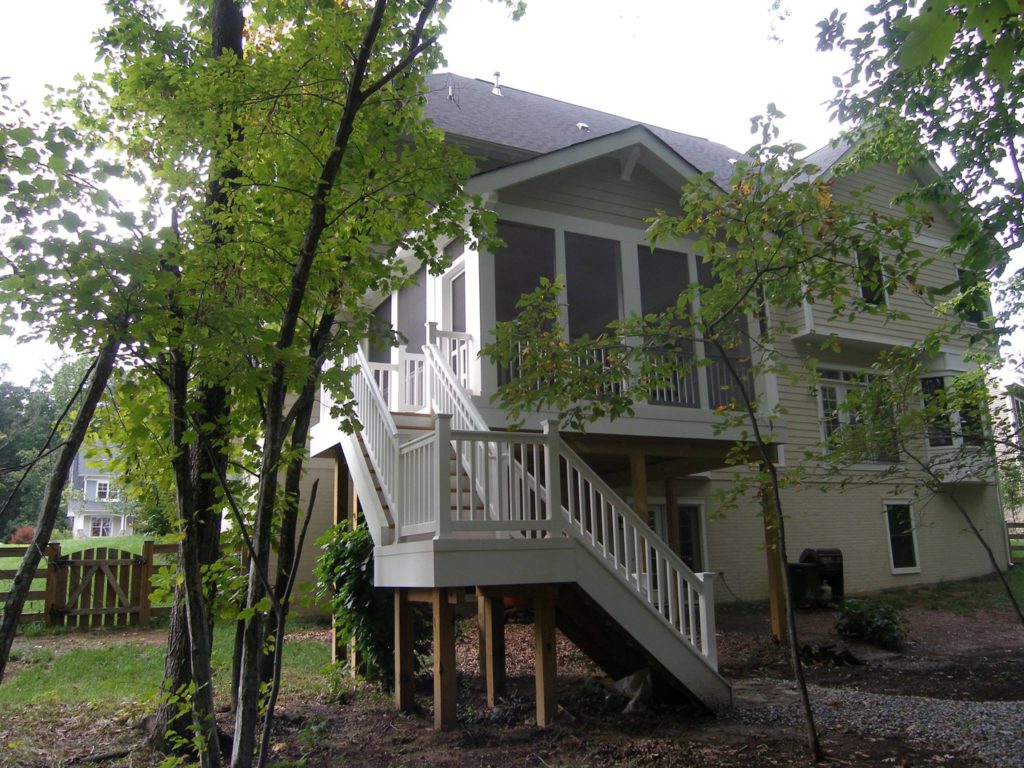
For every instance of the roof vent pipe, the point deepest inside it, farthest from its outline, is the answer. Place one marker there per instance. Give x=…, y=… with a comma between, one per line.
x=496, y=90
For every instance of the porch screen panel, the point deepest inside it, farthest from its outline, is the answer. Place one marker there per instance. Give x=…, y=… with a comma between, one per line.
x=380, y=349
x=528, y=255
x=458, y=299
x=592, y=281
x=722, y=386
x=412, y=311
x=664, y=275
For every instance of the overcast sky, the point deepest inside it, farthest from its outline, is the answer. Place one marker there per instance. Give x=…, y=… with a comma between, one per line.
x=702, y=68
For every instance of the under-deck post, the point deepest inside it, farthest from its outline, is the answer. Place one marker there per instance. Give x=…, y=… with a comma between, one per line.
x=492, y=644
x=544, y=657
x=404, y=691
x=445, y=689
x=341, y=510
x=552, y=473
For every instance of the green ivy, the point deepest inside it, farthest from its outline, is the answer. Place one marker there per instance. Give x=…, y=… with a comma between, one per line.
x=361, y=610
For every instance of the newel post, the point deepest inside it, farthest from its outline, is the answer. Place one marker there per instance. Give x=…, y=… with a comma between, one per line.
x=552, y=473
x=442, y=474
x=708, y=641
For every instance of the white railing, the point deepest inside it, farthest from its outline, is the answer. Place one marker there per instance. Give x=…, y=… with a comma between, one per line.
x=510, y=484
x=627, y=546
x=401, y=384
x=456, y=350
x=378, y=430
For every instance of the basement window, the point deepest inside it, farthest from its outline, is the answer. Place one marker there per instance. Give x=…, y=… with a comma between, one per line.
x=902, y=537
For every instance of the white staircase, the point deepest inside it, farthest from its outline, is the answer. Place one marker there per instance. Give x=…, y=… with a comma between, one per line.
x=462, y=505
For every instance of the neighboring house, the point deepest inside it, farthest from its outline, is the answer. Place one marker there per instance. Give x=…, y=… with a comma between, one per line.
x=463, y=503
x=95, y=508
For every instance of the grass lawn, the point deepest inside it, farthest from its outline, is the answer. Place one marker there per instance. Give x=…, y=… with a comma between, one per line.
x=87, y=689
x=126, y=668
x=980, y=594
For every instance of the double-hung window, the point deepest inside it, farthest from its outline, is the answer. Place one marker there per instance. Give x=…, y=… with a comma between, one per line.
x=836, y=391
x=871, y=277
x=947, y=428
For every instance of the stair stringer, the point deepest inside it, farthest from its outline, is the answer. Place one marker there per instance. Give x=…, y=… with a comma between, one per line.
x=378, y=518
x=651, y=632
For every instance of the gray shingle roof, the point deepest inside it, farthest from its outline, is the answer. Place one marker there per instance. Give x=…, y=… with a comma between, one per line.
x=536, y=125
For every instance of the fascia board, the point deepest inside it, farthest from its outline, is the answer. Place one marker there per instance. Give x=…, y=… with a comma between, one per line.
x=542, y=165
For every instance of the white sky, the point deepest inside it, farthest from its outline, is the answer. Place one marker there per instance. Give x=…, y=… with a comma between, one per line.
x=694, y=66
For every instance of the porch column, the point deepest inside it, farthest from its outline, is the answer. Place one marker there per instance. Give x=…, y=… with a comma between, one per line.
x=445, y=690
x=545, y=664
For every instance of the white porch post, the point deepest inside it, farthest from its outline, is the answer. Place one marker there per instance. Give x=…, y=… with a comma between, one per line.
x=552, y=473
x=708, y=641
x=442, y=474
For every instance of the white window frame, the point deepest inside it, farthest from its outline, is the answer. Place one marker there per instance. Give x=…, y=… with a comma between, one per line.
x=842, y=380
x=99, y=521
x=916, y=568
x=92, y=487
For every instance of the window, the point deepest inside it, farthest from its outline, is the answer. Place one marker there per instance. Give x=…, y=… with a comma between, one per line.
x=100, y=526
x=902, y=539
x=940, y=431
x=871, y=277
x=837, y=406
x=1017, y=434
x=963, y=427
x=97, y=489
x=972, y=304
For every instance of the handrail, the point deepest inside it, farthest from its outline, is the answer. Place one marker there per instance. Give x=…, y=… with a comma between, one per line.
x=626, y=545
x=380, y=435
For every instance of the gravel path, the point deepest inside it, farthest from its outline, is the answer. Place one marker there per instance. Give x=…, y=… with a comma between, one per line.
x=989, y=731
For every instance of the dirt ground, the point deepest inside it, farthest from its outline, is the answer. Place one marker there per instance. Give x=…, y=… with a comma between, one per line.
x=947, y=657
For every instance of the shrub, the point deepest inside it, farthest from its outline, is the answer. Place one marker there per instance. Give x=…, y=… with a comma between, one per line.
x=361, y=611
x=23, y=535
x=872, y=622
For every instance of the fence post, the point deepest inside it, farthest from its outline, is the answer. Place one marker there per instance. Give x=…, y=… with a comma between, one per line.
x=442, y=473
x=552, y=473
x=708, y=641
x=145, y=583
x=50, y=597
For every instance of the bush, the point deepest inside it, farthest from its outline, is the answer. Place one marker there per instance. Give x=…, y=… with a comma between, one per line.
x=22, y=535
x=872, y=622
x=361, y=611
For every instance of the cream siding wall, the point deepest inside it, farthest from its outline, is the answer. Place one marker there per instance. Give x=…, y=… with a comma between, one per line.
x=595, y=190
x=879, y=185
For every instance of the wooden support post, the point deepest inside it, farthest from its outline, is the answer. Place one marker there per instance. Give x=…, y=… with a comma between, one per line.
x=445, y=689
x=339, y=512
x=776, y=597
x=145, y=572
x=50, y=599
x=544, y=657
x=404, y=639
x=492, y=645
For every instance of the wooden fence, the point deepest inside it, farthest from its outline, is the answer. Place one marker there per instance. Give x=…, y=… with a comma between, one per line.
x=1015, y=531
x=100, y=587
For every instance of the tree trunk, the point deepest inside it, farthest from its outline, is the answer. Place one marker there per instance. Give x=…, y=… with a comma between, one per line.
x=50, y=506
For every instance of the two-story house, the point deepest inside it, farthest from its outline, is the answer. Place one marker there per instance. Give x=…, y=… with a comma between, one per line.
x=614, y=532
x=95, y=508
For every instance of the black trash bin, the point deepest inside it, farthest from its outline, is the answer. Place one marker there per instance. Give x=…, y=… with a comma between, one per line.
x=830, y=568
x=804, y=584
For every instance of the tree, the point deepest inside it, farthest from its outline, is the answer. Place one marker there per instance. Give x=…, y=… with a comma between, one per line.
x=945, y=81
x=775, y=239
x=280, y=180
